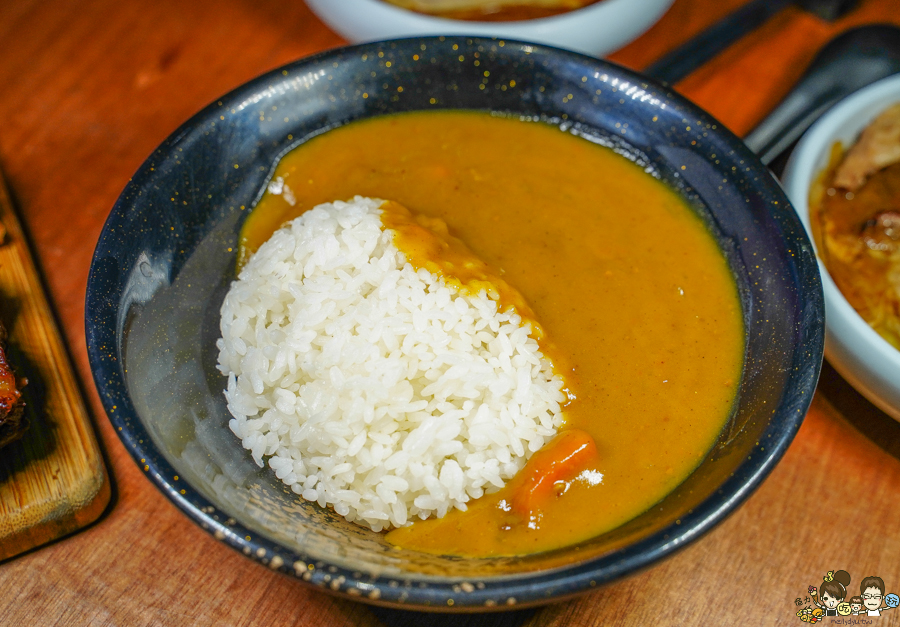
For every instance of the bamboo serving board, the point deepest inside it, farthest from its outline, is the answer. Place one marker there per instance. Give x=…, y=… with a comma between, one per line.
x=52, y=481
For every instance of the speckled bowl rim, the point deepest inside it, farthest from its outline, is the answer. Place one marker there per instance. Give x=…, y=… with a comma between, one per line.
x=506, y=591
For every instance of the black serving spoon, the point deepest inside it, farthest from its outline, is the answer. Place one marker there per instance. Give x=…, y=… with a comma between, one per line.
x=850, y=61
x=702, y=47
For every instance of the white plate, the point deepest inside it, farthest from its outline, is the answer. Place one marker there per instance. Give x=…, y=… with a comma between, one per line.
x=596, y=29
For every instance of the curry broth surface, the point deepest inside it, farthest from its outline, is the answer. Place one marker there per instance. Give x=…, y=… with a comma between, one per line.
x=639, y=308
x=865, y=277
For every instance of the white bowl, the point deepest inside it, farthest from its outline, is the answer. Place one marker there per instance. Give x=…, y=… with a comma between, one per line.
x=596, y=29
x=863, y=357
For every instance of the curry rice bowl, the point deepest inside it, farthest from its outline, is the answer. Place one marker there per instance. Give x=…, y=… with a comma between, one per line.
x=372, y=387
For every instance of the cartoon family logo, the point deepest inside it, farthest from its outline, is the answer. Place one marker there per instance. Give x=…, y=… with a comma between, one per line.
x=829, y=600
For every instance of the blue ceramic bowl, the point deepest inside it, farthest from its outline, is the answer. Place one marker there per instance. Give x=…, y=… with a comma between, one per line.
x=167, y=254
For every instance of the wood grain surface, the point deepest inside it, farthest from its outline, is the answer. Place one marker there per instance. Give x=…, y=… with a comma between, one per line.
x=52, y=480
x=89, y=88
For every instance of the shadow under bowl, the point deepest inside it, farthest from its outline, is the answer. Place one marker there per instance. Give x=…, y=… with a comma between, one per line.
x=166, y=257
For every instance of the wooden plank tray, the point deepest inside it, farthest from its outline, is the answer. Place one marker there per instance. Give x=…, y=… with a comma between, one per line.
x=53, y=480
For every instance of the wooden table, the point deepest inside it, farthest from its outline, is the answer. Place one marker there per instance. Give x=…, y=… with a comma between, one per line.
x=89, y=88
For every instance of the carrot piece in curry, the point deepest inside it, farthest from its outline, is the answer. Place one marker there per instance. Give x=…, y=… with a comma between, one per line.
x=561, y=459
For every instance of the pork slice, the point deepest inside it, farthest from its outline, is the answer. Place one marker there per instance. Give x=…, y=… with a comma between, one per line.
x=877, y=148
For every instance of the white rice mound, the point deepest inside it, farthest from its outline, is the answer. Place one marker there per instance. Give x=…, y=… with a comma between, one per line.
x=374, y=388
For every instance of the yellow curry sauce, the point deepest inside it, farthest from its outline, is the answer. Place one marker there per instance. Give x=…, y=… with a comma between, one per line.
x=427, y=243
x=856, y=234
x=638, y=308
x=499, y=12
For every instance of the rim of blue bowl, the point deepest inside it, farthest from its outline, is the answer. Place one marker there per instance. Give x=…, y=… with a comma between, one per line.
x=503, y=591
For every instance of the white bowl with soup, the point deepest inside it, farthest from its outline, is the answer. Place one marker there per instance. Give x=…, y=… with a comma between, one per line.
x=862, y=356
x=597, y=28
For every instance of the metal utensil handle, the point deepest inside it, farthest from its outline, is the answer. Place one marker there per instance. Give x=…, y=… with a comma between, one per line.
x=688, y=57
x=852, y=60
